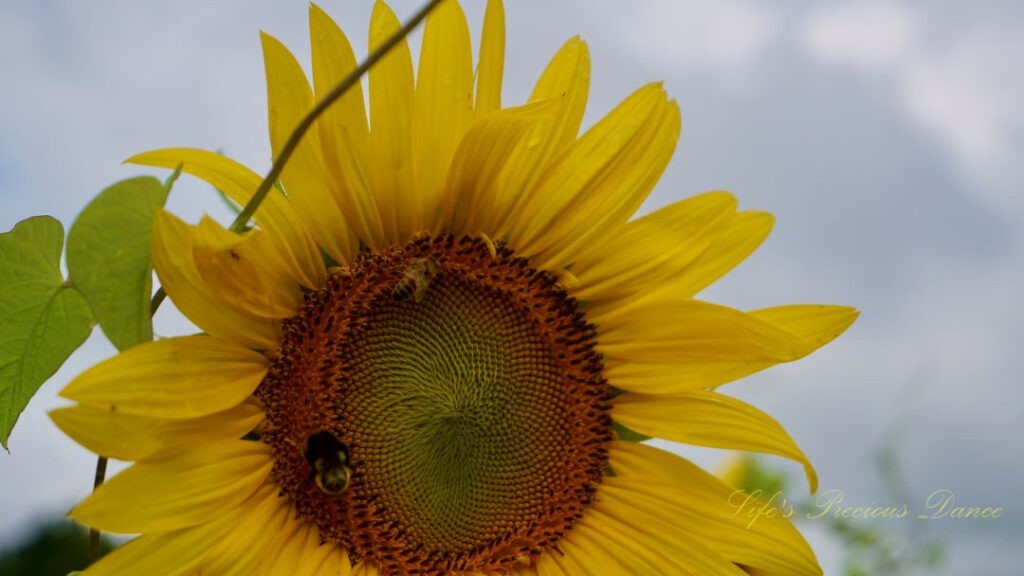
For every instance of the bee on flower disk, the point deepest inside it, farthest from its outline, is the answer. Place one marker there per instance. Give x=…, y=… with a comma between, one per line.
x=328, y=458
x=416, y=279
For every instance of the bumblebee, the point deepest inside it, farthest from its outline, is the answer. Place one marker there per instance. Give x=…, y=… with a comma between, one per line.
x=328, y=461
x=416, y=279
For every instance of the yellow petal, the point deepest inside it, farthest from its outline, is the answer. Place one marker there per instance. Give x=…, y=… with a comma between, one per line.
x=183, y=551
x=300, y=552
x=295, y=553
x=176, y=552
x=566, y=77
x=336, y=563
x=583, y=554
x=305, y=178
x=669, y=362
x=275, y=215
x=632, y=553
x=492, y=59
x=599, y=182
x=174, y=493
x=703, y=505
x=183, y=377
x=391, y=104
x=818, y=324
x=673, y=330
x=245, y=550
x=681, y=375
x=607, y=202
x=173, y=243
x=746, y=232
x=365, y=568
x=652, y=539
x=565, y=82
x=648, y=250
x=239, y=268
x=443, y=106
x=473, y=180
x=344, y=133
x=131, y=437
x=711, y=419
x=546, y=565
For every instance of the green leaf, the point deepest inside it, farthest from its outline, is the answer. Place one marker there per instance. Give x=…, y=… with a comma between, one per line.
x=42, y=320
x=109, y=261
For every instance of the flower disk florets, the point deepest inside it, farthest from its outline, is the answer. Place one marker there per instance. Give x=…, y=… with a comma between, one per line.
x=464, y=387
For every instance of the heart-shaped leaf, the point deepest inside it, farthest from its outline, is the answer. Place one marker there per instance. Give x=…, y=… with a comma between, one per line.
x=42, y=319
x=109, y=261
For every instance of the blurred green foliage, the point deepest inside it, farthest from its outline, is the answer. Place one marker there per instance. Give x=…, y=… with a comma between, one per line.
x=54, y=549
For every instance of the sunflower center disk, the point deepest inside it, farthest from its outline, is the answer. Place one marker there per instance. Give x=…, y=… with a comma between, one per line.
x=468, y=405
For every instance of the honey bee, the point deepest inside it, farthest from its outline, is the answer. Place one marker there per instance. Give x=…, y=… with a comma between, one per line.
x=328, y=458
x=416, y=279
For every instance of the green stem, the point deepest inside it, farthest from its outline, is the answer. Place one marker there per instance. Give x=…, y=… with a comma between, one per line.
x=157, y=300
x=275, y=173
x=94, y=534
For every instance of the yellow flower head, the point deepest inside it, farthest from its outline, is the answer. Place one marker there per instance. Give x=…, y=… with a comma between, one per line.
x=457, y=390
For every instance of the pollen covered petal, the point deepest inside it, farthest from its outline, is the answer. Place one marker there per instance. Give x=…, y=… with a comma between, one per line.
x=652, y=248
x=127, y=437
x=707, y=418
x=391, y=112
x=184, y=377
x=703, y=505
x=443, y=106
x=173, y=245
x=289, y=98
x=344, y=133
x=275, y=214
x=177, y=492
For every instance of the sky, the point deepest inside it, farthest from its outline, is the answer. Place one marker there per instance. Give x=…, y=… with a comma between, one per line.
x=885, y=136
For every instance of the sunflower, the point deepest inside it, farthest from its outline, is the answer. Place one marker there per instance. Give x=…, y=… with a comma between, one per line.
x=436, y=348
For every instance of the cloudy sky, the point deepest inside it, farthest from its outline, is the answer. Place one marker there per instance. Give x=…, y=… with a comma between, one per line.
x=886, y=137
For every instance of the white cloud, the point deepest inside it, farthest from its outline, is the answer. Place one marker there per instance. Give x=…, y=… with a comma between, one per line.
x=965, y=90
x=970, y=98
x=866, y=34
x=728, y=32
